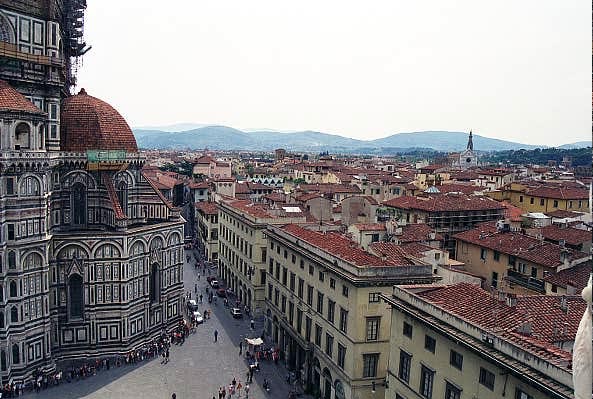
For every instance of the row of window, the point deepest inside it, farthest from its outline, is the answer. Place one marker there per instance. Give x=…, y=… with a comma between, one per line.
x=542, y=202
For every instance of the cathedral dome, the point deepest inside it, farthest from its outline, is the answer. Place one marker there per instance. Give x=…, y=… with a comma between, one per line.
x=88, y=123
x=12, y=100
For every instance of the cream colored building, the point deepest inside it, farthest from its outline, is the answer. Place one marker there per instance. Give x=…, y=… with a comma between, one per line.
x=243, y=245
x=323, y=308
x=207, y=227
x=459, y=341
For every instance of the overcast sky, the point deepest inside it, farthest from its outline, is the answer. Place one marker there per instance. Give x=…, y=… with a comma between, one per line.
x=514, y=70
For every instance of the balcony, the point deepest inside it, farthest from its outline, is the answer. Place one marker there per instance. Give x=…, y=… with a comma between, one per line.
x=528, y=282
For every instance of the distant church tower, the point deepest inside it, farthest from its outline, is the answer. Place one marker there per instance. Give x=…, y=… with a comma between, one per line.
x=467, y=159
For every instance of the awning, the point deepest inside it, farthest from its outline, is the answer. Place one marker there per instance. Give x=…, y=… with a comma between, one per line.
x=254, y=341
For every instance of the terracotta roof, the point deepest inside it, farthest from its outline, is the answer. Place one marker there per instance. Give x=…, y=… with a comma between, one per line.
x=370, y=226
x=570, y=235
x=88, y=123
x=204, y=159
x=458, y=188
x=250, y=208
x=561, y=214
x=558, y=192
x=416, y=232
x=545, y=314
x=444, y=203
x=275, y=197
x=522, y=246
x=117, y=210
x=513, y=213
x=12, y=100
x=577, y=276
x=157, y=191
x=341, y=247
x=198, y=185
x=307, y=196
x=330, y=188
x=208, y=208
x=391, y=251
x=416, y=249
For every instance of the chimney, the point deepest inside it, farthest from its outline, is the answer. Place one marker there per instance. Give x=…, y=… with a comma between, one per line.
x=512, y=300
x=526, y=328
x=564, y=304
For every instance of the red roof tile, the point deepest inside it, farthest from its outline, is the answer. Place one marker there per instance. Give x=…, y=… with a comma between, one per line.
x=545, y=314
x=570, y=235
x=416, y=232
x=523, y=247
x=444, y=203
x=391, y=251
x=577, y=276
x=12, y=100
x=208, y=208
x=341, y=247
x=370, y=226
x=88, y=123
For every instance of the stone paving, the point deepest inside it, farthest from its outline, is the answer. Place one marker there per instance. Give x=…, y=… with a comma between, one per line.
x=196, y=369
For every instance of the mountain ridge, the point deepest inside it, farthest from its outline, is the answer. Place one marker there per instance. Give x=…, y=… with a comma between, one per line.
x=219, y=137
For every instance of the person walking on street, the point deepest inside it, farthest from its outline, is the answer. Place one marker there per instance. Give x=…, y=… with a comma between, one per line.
x=200, y=294
x=240, y=348
x=215, y=335
x=196, y=288
x=252, y=324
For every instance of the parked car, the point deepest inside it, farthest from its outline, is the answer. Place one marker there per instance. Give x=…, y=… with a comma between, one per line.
x=198, y=317
x=214, y=283
x=221, y=293
x=236, y=313
x=192, y=305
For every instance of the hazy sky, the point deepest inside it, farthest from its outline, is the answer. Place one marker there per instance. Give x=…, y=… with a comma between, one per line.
x=515, y=70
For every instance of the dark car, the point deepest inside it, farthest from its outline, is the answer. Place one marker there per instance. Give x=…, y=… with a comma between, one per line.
x=221, y=293
x=236, y=313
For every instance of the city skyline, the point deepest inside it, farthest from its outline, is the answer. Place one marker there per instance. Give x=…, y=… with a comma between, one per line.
x=359, y=72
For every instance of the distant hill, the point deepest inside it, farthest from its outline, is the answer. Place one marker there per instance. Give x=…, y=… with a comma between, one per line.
x=447, y=141
x=223, y=137
x=578, y=144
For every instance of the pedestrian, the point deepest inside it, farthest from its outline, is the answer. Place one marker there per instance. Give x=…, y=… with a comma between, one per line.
x=215, y=335
x=240, y=348
x=173, y=396
x=200, y=294
x=198, y=276
x=252, y=324
x=247, y=391
x=196, y=288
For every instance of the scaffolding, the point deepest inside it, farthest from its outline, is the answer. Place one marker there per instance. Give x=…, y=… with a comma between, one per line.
x=74, y=44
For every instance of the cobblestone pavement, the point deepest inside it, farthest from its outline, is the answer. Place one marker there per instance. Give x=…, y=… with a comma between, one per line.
x=196, y=369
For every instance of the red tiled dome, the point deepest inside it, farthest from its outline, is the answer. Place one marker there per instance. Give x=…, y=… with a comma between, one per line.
x=88, y=123
x=12, y=100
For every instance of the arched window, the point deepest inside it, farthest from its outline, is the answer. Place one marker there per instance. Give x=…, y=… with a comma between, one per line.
x=6, y=30
x=13, y=290
x=78, y=204
x=1, y=319
x=16, y=359
x=12, y=260
x=75, y=295
x=14, y=315
x=3, y=360
x=155, y=283
x=29, y=186
x=122, y=195
x=22, y=134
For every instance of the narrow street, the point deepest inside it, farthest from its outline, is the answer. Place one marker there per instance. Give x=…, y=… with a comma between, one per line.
x=196, y=369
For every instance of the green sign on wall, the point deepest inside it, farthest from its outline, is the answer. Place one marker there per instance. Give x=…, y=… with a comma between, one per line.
x=105, y=155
